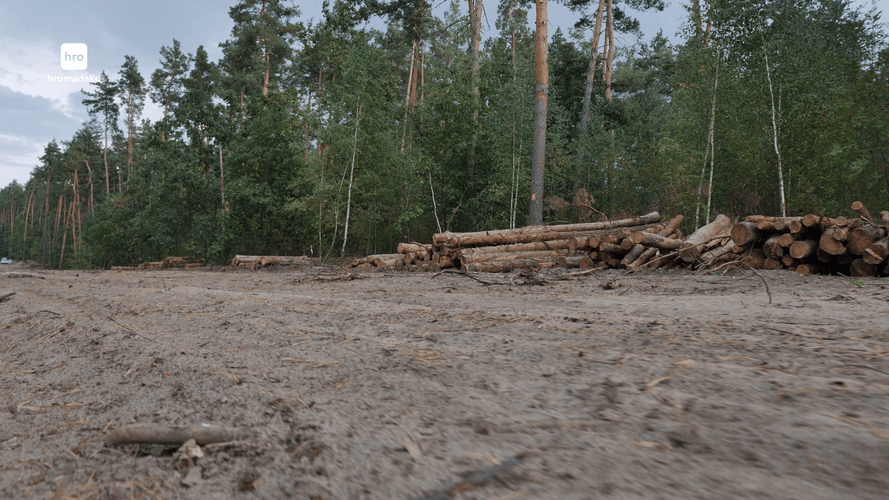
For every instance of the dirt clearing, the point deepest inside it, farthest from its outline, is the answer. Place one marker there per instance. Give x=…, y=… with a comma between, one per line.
x=408, y=386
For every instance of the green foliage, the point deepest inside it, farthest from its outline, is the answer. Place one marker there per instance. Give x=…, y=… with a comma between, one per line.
x=256, y=150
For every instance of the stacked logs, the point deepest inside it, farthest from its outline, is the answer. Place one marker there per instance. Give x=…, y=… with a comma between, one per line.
x=254, y=262
x=602, y=245
x=168, y=263
x=816, y=244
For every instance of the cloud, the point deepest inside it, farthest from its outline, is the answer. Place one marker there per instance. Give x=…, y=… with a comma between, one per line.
x=18, y=156
x=34, y=117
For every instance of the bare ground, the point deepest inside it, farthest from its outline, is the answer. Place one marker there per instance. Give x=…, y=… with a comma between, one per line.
x=408, y=386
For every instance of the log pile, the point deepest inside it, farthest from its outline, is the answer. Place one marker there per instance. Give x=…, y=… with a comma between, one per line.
x=817, y=244
x=254, y=262
x=600, y=244
x=809, y=244
x=168, y=263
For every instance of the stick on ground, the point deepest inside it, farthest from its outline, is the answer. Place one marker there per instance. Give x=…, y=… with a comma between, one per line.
x=165, y=434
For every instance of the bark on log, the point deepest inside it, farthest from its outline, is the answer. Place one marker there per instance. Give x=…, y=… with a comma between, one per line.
x=823, y=256
x=862, y=212
x=771, y=248
x=861, y=269
x=421, y=251
x=569, y=262
x=504, y=266
x=744, y=233
x=536, y=233
x=655, y=240
x=710, y=258
x=532, y=237
x=165, y=434
x=641, y=252
x=527, y=247
x=830, y=244
x=863, y=236
x=878, y=252
x=803, y=249
x=632, y=256
x=473, y=258
x=643, y=259
x=613, y=249
x=691, y=250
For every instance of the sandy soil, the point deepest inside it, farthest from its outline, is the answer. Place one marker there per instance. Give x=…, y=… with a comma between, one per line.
x=408, y=386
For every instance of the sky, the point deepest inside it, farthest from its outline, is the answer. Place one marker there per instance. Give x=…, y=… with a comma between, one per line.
x=35, y=108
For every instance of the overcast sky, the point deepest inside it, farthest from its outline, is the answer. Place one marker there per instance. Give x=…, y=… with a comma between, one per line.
x=35, y=110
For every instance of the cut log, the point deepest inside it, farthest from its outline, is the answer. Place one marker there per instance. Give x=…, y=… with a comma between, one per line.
x=472, y=258
x=830, y=244
x=786, y=239
x=655, y=240
x=839, y=233
x=772, y=249
x=691, y=250
x=878, y=252
x=632, y=255
x=861, y=269
x=643, y=253
x=806, y=269
x=796, y=226
x=569, y=262
x=165, y=434
x=612, y=248
x=744, y=233
x=536, y=233
x=741, y=249
x=714, y=255
x=504, y=266
x=884, y=216
x=446, y=262
x=862, y=212
x=527, y=247
x=627, y=244
x=863, y=236
x=755, y=259
x=803, y=249
x=587, y=261
x=466, y=239
x=788, y=260
x=773, y=264
x=416, y=248
x=642, y=259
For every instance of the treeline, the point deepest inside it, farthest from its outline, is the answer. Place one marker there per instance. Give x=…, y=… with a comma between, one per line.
x=332, y=137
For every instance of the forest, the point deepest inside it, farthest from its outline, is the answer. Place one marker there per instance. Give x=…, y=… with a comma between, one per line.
x=334, y=138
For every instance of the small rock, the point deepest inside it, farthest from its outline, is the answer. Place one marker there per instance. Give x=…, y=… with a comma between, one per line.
x=192, y=477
